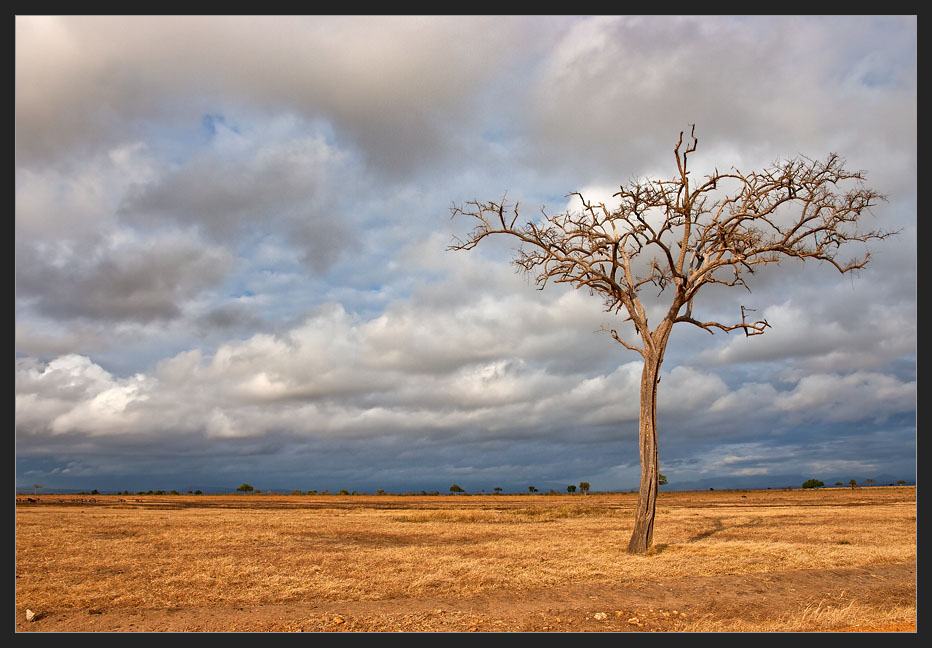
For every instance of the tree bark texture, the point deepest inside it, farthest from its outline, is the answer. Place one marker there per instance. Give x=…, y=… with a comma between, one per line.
x=643, y=535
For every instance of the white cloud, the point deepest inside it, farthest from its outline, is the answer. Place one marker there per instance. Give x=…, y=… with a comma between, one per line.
x=72, y=393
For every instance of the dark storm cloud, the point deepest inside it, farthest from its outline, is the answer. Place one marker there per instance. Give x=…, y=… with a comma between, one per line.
x=136, y=281
x=231, y=317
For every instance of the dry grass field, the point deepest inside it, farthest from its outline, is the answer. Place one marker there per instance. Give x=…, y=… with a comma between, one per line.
x=774, y=560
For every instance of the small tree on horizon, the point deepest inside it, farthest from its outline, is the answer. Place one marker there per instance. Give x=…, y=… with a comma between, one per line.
x=813, y=483
x=584, y=487
x=456, y=489
x=497, y=489
x=661, y=480
x=245, y=488
x=571, y=488
x=853, y=483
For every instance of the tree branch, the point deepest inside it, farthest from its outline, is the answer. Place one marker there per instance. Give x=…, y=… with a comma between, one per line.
x=724, y=227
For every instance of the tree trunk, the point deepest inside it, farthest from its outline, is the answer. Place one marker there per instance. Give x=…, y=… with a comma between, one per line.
x=643, y=535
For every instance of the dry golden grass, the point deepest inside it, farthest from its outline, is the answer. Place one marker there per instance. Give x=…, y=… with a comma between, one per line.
x=846, y=615
x=201, y=551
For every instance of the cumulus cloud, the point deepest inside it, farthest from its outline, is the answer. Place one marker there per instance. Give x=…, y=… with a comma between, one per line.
x=834, y=332
x=857, y=396
x=329, y=370
x=72, y=394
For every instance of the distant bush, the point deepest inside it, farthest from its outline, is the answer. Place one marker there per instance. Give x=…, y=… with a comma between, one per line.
x=813, y=483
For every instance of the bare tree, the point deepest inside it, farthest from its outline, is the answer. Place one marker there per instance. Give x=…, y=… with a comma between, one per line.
x=668, y=239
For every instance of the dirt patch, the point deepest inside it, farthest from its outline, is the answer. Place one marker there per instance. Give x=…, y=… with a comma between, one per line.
x=669, y=605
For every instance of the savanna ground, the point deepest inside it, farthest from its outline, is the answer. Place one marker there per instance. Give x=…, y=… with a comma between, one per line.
x=773, y=560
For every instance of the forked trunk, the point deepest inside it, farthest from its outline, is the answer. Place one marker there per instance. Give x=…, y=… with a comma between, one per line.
x=643, y=535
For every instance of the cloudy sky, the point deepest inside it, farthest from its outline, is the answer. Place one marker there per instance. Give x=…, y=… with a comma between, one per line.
x=231, y=252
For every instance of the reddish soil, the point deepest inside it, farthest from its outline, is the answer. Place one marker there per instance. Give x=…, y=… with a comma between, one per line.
x=671, y=605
